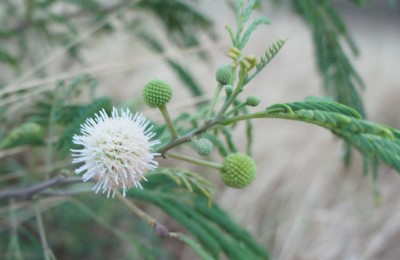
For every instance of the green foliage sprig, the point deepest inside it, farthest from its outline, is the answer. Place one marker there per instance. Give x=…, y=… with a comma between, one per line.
x=341, y=80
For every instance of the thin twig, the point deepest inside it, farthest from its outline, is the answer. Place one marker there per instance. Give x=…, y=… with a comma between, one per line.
x=14, y=241
x=64, y=193
x=102, y=70
x=48, y=254
x=53, y=57
x=26, y=23
x=28, y=192
x=186, y=138
x=159, y=228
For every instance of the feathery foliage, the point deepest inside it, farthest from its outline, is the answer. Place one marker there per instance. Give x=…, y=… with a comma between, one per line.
x=214, y=229
x=184, y=74
x=372, y=140
x=341, y=80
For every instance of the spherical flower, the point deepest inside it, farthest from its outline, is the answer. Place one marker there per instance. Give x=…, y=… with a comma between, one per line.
x=253, y=101
x=157, y=93
x=203, y=146
x=116, y=150
x=239, y=170
x=224, y=74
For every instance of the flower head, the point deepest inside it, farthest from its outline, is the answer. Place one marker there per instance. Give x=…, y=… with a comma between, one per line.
x=239, y=170
x=157, y=93
x=116, y=150
x=203, y=146
x=224, y=74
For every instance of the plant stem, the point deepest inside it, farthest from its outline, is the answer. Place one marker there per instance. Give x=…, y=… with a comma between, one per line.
x=214, y=100
x=269, y=114
x=168, y=121
x=135, y=210
x=195, y=161
x=14, y=241
x=159, y=228
x=187, y=137
x=235, y=109
x=233, y=96
x=48, y=254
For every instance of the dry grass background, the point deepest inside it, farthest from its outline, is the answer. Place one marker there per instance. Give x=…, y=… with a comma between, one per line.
x=304, y=204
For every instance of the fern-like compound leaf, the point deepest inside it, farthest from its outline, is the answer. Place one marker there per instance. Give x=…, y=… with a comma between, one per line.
x=268, y=56
x=374, y=141
x=250, y=29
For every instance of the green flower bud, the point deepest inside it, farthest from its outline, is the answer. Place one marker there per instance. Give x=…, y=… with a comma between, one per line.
x=224, y=74
x=233, y=53
x=251, y=60
x=157, y=93
x=228, y=90
x=253, y=101
x=203, y=146
x=27, y=133
x=246, y=65
x=239, y=170
x=234, y=50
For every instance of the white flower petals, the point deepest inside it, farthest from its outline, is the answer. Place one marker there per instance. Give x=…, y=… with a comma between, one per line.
x=116, y=150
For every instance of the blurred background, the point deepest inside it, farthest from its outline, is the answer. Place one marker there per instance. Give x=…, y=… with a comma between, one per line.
x=304, y=204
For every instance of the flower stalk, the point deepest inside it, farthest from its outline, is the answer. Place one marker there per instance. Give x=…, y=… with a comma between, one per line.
x=168, y=121
x=159, y=228
x=214, y=100
x=189, y=159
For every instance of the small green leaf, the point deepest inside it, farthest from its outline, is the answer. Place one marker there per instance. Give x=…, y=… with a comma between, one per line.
x=250, y=29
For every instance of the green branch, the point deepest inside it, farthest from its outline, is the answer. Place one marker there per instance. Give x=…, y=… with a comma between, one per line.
x=189, y=159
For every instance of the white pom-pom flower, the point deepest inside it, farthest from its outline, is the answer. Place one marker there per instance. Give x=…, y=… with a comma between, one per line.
x=116, y=150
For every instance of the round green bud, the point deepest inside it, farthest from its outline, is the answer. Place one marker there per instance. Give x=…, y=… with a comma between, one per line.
x=203, y=146
x=157, y=93
x=228, y=90
x=253, y=101
x=224, y=74
x=239, y=170
x=251, y=59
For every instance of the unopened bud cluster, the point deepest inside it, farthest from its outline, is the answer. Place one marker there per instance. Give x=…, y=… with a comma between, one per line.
x=239, y=170
x=203, y=146
x=224, y=75
x=157, y=93
x=248, y=62
x=253, y=101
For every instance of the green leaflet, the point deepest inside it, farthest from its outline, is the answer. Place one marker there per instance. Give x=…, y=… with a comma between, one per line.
x=64, y=142
x=250, y=29
x=206, y=230
x=208, y=223
x=184, y=74
x=206, y=240
x=341, y=80
x=372, y=140
x=29, y=133
x=232, y=248
x=371, y=145
x=319, y=106
x=243, y=12
x=218, y=144
x=196, y=247
x=181, y=29
x=268, y=56
x=229, y=139
x=218, y=216
x=184, y=178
